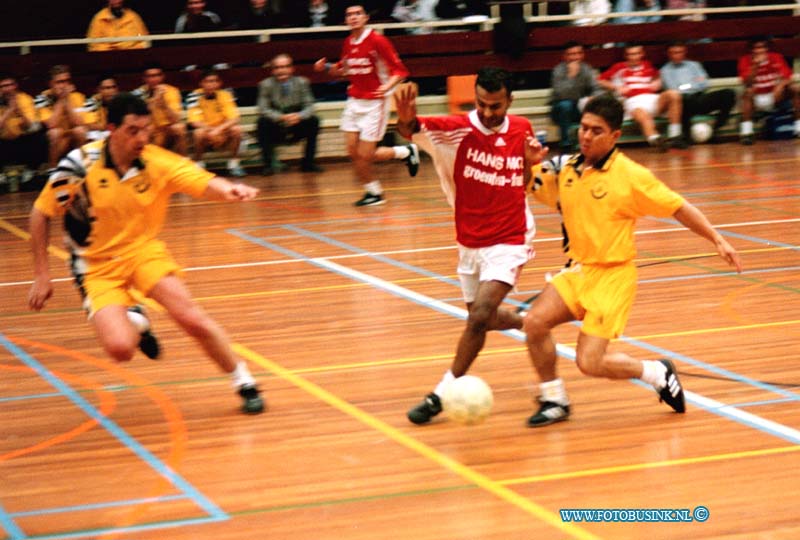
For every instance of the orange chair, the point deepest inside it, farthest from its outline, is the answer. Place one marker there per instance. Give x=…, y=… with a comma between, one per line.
x=461, y=93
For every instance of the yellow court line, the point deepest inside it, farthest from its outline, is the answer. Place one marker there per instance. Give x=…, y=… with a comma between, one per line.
x=712, y=330
x=421, y=448
x=16, y=231
x=651, y=465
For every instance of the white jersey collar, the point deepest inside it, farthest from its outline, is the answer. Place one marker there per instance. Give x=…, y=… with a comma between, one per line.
x=475, y=121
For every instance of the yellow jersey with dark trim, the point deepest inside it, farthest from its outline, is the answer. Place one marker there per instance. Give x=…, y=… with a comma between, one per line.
x=108, y=215
x=26, y=111
x=211, y=110
x=45, y=102
x=172, y=99
x=599, y=205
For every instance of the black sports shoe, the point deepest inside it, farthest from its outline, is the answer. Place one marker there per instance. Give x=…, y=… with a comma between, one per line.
x=679, y=143
x=672, y=393
x=746, y=140
x=549, y=413
x=253, y=402
x=422, y=413
x=148, y=343
x=412, y=161
x=661, y=144
x=370, y=200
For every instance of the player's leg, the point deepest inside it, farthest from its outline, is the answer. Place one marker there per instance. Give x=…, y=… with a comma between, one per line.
x=233, y=143
x=746, y=106
x=177, y=138
x=670, y=102
x=172, y=293
x=201, y=143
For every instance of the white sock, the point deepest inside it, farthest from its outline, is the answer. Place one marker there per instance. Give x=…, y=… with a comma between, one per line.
x=655, y=373
x=233, y=162
x=241, y=376
x=746, y=128
x=401, y=152
x=201, y=164
x=651, y=140
x=446, y=379
x=673, y=130
x=554, y=391
x=797, y=126
x=374, y=187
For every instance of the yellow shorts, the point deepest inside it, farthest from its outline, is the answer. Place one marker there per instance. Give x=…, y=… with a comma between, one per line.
x=108, y=281
x=600, y=296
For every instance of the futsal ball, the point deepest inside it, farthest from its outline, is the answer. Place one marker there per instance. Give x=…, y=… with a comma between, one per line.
x=468, y=400
x=701, y=132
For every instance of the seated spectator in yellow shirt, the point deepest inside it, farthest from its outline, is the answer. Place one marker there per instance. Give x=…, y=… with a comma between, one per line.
x=166, y=109
x=98, y=107
x=214, y=116
x=22, y=139
x=62, y=110
x=115, y=20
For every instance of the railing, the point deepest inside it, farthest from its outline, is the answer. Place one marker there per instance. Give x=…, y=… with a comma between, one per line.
x=483, y=23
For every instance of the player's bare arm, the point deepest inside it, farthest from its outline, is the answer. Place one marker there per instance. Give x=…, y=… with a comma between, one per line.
x=41, y=289
x=220, y=189
x=697, y=222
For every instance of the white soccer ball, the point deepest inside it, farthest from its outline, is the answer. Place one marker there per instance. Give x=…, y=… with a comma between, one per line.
x=701, y=132
x=467, y=400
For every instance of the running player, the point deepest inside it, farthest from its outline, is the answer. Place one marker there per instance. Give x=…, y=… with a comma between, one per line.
x=484, y=162
x=373, y=67
x=600, y=193
x=114, y=195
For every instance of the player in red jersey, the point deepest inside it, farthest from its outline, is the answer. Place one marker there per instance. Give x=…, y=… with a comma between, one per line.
x=767, y=81
x=638, y=84
x=483, y=160
x=373, y=67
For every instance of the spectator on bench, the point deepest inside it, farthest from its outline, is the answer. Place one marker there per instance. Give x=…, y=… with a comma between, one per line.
x=637, y=82
x=767, y=81
x=98, y=107
x=690, y=79
x=62, y=110
x=573, y=83
x=115, y=20
x=286, y=114
x=636, y=6
x=197, y=19
x=590, y=7
x=415, y=11
x=214, y=116
x=166, y=110
x=22, y=139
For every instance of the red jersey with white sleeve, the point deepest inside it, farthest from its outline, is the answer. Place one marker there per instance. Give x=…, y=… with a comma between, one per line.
x=368, y=62
x=482, y=174
x=768, y=73
x=638, y=79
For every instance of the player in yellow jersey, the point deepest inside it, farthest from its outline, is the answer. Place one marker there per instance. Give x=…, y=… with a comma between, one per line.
x=214, y=117
x=62, y=110
x=114, y=196
x=166, y=108
x=600, y=193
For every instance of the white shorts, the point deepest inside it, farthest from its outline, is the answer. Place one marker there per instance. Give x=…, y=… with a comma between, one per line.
x=502, y=262
x=367, y=117
x=647, y=102
x=764, y=102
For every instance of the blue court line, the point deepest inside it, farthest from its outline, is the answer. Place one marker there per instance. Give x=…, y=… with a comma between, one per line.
x=95, y=506
x=30, y=396
x=94, y=533
x=763, y=402
x=728, y=411
x=7, y=524
x=121, y=435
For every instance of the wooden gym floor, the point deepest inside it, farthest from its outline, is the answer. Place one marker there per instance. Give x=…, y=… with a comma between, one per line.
x=348, y=317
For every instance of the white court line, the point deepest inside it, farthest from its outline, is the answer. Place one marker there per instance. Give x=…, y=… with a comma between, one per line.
x=710, y=405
